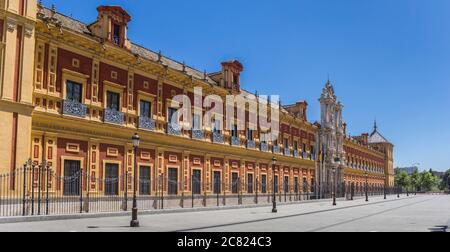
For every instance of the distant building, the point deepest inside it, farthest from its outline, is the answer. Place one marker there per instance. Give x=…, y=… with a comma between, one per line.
x=409, y=170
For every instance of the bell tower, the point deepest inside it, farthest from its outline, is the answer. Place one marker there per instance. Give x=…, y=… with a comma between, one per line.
x=17, y=28
x=331, y=138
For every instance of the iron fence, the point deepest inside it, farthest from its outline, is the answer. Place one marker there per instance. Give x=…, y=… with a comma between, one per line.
x=41, y=190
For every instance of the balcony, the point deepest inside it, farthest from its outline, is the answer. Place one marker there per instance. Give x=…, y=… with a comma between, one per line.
x=173, y=129
x=198, y=134
x=276, y=149
x=113, y=116
x=305, y=155
x=287, y=152
x=235, y=141
x=217, y=138
x=264, y=147
x=296, y=154
x=251, y=144
x=146, y=123
x=74, y=108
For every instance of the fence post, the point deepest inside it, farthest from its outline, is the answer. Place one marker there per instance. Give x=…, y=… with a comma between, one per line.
x=32, y=189
x=162, y=191
x=24, y=194
x=192, y=191
x=80, y=186
x=39, y=186
x=47, y=189
x=224, y=195
x=257, y=187
x=125, y=203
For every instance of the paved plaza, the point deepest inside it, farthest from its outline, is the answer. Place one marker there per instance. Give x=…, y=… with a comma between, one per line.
x=430, y=213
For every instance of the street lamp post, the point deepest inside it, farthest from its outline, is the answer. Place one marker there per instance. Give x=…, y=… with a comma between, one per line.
x=367, y=183
x=334, y=187
x=134, y=215
x=385, y=196
x=274, y=200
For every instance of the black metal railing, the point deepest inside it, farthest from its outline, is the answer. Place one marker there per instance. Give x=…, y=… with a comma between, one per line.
x=39, y=189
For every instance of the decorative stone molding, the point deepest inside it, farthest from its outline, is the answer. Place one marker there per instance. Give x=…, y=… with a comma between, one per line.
x=29, y=31
x=11, y=25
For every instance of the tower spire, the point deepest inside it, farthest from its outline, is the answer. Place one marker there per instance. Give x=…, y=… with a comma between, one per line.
x=375, y=127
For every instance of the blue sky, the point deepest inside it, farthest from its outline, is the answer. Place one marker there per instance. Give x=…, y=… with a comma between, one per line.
x=387, y=59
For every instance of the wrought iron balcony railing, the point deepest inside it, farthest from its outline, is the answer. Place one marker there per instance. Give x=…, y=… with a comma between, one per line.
x=304, y=155
x=198, y=134
x=113, y=116
x=287, y=152
x=217, y=138
x=264, y=147
x=296, y=154
x=251, y=144
x=173, y=129
x=74, y=108
x=146, y=123
x=276, y=149
x=235, y=141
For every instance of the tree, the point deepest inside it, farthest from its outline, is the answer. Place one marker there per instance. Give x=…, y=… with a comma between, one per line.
x=428, y=181
x=445, y=183
x=415, y=181
x=402, y=179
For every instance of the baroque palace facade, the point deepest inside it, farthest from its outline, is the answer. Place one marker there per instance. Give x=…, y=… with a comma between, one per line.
x=73, y=94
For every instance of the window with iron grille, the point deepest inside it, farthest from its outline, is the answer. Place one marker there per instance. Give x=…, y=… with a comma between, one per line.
x=172, y=181
x=286, y=184
x=71, y=178
x=196, y=182
x=296, y=188
x=144, y=180
x=234, y=182
x=217, y=182
x=250, y=183
x=264, y=183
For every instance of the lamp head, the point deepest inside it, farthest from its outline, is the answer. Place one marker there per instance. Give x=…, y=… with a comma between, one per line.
x=136, y=140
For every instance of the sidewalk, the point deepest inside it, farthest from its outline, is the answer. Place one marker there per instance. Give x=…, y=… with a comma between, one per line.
x=19, y=219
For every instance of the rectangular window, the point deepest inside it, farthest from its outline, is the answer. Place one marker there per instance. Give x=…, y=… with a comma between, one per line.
x=112, y=101
x=304, y=148
x=286, y=143
x=71, y=178
x=264, y=183
x=144, y=180
x=312, y=151
x=295, y=145
x=313, y=186
x=196, y=122
x=112, y=179
x=250, y=134
x=146, y=109
x=250, y=183
x=173, y=181
x=74, y=91
x=216, y=127
x=286, y=184
x=234, y=183
x=276, y=185
x=296, y=188
x=196, y=182
x=217, y=182
x=275, y=142
x=263, y=138
x=116, y=35
x=234, y=131
x=305, y=185
x=173, y=116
